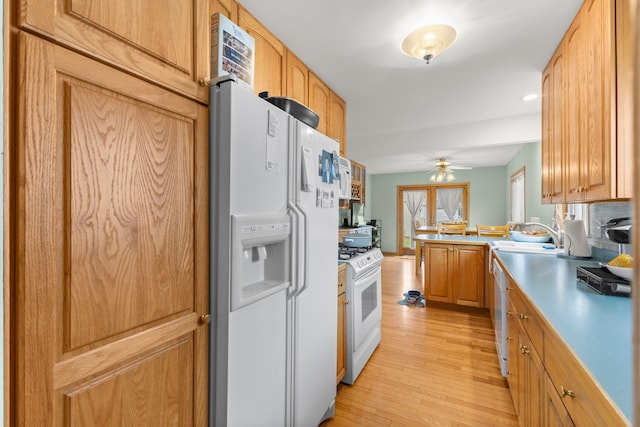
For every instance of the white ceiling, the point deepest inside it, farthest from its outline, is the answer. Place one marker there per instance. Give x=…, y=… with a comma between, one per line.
x=402, y=113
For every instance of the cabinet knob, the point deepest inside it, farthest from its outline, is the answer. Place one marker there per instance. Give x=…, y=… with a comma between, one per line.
x=523, y=316
x=509, y=339
x=524, y=349
x=566, y=392
x=205, y=319
x=509, y=313
x=509, y=373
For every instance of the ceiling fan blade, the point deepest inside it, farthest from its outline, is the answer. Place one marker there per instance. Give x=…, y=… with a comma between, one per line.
x=460, y=167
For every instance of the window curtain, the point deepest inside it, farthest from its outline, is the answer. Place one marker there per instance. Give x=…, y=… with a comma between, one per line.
x=413, y=200
x=449, y=199
x=517, y=198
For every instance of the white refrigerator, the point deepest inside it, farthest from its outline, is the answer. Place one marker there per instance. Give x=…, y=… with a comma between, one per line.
x=274, y=220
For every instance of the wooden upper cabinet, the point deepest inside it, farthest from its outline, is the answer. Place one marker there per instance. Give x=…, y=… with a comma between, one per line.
x=297, y=79
x=624, y=95
x=600, y=122
x=228, y=8
x=111, y=184
x=577, y=98
x=552, y=131
x=338, y=121
x=591, y=105
x=319, y=94
x=166, y=42
x=270, y=56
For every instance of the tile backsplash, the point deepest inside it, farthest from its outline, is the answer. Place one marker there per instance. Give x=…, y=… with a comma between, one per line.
x=601, y=213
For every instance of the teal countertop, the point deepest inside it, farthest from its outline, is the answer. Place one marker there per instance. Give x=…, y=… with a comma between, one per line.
x=598, y=328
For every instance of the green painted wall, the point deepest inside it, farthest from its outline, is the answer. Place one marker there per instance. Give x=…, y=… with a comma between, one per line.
x=489, y=188
x=530, y=156
x=487, y=204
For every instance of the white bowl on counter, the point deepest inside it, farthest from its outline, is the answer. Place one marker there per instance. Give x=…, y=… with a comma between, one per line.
x=537, y=238
x=624, y=272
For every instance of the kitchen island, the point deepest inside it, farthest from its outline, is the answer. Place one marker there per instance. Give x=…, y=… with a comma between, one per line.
x=421, y=239
x=582, y=332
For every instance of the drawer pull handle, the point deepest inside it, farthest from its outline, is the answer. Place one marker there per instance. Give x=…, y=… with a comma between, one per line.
x=523, y=316
x=509, y=339
x=565, y=392
x=509, y=313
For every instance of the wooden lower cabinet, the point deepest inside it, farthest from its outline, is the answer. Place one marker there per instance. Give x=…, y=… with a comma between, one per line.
x=548, y=384
x=555, y=414
x=109, y=272
x=531, y=385
x=455, y=273
x=341, y=367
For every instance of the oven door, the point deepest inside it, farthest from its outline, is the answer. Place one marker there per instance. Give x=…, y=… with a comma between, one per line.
x=367, y=310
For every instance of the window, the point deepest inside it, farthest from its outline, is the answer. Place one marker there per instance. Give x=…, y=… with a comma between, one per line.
x=518, y=203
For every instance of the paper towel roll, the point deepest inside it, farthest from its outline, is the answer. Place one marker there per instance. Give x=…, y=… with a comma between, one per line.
x=575, y=243
x=621, y=288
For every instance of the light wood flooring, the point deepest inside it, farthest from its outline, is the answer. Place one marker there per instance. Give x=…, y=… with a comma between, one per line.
x=434, y=366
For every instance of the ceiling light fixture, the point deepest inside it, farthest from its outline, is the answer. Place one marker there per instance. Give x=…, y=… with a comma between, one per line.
x=530, y=97
x=428, y=42
x=442, y=173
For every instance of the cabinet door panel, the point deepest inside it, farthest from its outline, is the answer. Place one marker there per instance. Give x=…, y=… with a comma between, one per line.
x=112, y=187
x=599, y=18
x=297, y=79
x=270, y=59
x=164, y=41
x=438, y=272
x=319, y=102
x=338, y=122
x=468, y=275
x=228, y=8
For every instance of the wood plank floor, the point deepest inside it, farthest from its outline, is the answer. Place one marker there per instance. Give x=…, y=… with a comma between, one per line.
x=434, y=366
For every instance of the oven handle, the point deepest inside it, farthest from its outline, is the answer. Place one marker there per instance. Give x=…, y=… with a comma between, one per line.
x=366, y=276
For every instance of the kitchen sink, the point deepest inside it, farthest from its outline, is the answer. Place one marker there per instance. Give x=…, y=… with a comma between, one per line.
x=526, y=247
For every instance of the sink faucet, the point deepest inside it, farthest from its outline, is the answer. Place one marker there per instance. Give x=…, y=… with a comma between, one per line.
x=555, y=236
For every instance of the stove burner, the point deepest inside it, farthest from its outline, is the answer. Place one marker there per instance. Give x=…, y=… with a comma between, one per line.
x=347, y=252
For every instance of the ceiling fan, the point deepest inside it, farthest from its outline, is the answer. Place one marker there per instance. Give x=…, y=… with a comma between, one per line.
x=442, y=171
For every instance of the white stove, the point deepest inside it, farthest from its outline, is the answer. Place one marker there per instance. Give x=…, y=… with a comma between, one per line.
x=364, y=312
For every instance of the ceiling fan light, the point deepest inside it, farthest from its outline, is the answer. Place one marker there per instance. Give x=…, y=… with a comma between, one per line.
x=450, y=177
x=428, y=42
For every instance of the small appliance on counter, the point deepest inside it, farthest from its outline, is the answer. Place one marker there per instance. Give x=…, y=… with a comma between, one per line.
x=618, y=230
x=600, y=279
x=604, y=282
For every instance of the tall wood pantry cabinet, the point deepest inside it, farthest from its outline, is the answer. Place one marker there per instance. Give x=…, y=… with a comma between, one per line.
x=107, y=205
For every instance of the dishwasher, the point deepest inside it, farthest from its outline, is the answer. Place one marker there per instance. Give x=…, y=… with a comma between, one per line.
x=500, y=314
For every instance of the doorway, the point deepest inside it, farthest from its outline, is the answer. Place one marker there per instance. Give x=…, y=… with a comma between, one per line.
x=424, y=206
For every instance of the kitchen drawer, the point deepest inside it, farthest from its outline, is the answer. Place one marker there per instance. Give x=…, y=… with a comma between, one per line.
x=529, y=317
x=585, y=401
x=342, y=278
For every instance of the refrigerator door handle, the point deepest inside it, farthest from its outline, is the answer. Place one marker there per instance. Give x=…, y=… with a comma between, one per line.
x=299, y=250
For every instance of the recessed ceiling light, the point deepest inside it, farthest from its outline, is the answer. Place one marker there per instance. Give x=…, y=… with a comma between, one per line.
x=530, y=97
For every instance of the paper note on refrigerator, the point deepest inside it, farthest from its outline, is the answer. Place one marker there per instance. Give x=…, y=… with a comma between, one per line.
x=305, y=183
x=273, y=147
